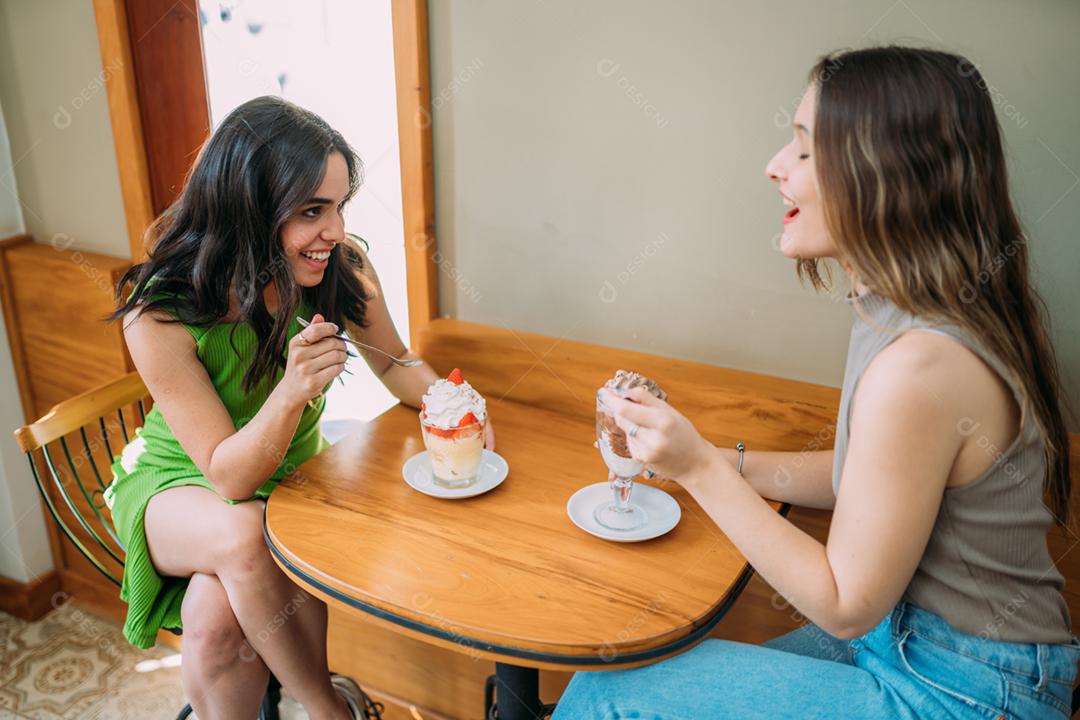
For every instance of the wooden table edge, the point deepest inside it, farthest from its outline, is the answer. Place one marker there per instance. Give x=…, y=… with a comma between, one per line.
x=499, y=652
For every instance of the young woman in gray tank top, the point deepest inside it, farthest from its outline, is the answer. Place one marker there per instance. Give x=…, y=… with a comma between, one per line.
x=935, y=595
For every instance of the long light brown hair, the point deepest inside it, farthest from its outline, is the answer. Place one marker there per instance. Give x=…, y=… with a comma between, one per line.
x=911, y=168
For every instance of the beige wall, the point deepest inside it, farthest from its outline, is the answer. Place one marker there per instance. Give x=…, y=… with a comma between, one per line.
x=11, y=222
x=24, y=545
x=61, y=175
x=599, y=166
x=53, y=93
x=24, y=542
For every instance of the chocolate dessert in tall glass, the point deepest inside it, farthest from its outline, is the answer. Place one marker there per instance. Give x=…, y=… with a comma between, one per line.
x=620, y=515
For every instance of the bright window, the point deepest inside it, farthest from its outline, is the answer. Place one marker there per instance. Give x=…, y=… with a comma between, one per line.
x=335, y=58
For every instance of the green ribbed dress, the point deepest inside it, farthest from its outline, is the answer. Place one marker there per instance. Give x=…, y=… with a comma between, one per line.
x=154, y=461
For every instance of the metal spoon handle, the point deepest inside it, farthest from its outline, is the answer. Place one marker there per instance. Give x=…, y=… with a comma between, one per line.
x=411, y=362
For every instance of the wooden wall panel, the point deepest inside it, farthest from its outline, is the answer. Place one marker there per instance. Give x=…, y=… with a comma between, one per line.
x=59, y=298
x=563, y=375
x=54, y=300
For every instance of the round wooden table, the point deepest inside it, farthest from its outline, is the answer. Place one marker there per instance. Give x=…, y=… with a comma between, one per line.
x=505, y=576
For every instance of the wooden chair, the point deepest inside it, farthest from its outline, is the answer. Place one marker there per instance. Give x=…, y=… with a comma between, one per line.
x=71, y=450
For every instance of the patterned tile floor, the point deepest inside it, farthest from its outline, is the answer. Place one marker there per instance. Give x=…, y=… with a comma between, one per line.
x=73, y=665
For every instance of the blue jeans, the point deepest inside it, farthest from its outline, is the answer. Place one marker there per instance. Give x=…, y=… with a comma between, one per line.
x=912, y=665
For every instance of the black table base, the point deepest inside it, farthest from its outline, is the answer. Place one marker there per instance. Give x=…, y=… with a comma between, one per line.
x=513, y=693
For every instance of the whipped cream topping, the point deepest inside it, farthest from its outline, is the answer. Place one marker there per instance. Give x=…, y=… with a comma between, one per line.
x=446, y=403
x=626, y=379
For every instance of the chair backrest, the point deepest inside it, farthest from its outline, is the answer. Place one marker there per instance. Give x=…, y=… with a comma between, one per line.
x=71, y=450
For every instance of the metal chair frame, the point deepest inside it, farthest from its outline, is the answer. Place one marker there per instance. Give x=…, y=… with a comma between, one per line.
x=52, y=429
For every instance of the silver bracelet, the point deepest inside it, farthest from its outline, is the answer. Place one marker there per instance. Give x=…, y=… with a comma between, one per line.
x=742, y=456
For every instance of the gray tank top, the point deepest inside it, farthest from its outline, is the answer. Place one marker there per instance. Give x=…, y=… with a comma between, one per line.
x=986, y=569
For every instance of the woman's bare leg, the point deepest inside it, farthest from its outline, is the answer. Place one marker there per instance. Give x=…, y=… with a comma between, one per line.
x=191, y=530
x=223, y=678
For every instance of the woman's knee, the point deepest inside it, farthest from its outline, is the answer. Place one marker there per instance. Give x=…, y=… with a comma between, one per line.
x=212, y=636
x=191, y=529
x=243, y=549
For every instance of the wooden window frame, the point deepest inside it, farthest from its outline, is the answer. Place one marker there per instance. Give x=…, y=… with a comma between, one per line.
x=158, y=107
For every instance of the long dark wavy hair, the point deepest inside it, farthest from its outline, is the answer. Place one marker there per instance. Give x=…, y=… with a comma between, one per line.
x=262, y=164
x=911, y=165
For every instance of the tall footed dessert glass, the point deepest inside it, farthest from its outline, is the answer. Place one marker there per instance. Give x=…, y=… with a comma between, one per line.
x=452, y=420
x=620, y=515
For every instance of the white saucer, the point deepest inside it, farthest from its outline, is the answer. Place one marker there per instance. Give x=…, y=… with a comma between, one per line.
x=417, y=473
x=661, y=509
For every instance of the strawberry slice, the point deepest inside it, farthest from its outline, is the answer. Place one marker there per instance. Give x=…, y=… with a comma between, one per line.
x=462, y=429
x=449, y=434
x=455, y=377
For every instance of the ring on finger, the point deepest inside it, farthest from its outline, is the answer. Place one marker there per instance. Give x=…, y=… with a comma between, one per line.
x=304, y=340
x=634, y=427
x=649, y=474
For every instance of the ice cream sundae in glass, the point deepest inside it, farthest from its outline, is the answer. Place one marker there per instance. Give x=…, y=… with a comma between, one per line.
x=452, y=419
x=620, y=514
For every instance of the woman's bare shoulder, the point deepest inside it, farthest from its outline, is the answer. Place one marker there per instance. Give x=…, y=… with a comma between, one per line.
x=155, y=330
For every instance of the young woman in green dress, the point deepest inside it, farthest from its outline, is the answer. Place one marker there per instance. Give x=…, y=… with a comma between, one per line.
x=255, y=239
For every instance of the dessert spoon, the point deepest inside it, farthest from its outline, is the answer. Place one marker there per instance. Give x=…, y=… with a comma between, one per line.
x=411, y=362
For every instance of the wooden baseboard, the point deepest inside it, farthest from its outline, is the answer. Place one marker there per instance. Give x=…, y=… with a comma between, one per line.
x=29, y=600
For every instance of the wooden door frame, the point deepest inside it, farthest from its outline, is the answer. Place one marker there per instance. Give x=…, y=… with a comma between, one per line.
x=111, y=17
x=412, y=75
x=151, y=169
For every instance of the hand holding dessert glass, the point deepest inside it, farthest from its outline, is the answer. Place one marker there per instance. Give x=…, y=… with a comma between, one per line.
x=620, y=515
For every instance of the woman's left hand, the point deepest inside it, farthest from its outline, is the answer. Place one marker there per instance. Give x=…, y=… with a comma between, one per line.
x=665, y=441
x=489, y=435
